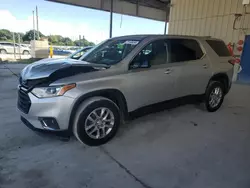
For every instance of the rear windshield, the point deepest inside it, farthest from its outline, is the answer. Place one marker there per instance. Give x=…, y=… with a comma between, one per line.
x=219, y=47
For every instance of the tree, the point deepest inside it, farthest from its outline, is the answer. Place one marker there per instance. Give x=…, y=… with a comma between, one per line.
x=67, y=41
x=16, y=37
x=5, y=34
x=91, y=44
x=28, y=36
x=59, y=40
x=83, y=42
x=55, y=39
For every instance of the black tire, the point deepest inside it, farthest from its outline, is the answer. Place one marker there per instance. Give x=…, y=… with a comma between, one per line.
x=3, y=51
x=211, y=86
x=25, y=52
x=82, y=113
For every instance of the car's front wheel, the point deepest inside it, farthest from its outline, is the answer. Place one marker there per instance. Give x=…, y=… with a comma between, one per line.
x=97, y=121
x=214, y=96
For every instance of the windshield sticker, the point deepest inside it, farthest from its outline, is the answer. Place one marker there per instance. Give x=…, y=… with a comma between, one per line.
x=132, y=42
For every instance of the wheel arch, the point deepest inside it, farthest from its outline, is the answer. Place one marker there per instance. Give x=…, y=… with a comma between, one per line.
x=25, y=51
x=222, y=77
x=114, y=95
x=3, y=49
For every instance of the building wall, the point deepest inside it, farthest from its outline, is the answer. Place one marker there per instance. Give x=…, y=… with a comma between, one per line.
x=209, y=18
x=39, y=48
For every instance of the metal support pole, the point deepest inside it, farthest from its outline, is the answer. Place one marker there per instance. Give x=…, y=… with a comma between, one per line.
x=165, y=28
x=34, y=26
x=19, y=46
x=14, y=43
x=111, y=19
x=80, y=43
x=137, y=7
x=37, y=23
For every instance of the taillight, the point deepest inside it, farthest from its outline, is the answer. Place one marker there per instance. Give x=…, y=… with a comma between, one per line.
x=234, y=61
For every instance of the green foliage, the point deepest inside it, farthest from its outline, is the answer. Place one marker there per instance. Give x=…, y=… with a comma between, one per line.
x=6, y=35
x=59, y=40
x=28, y=36
x=83, y=42
x=55, y=39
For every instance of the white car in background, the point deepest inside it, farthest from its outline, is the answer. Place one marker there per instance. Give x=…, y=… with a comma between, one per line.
x=8, y=48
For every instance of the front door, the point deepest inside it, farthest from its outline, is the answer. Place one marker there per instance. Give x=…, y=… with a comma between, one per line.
x=150, y=78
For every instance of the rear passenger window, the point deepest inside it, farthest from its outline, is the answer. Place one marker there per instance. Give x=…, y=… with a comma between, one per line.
x=219, y=47
x=184, y=50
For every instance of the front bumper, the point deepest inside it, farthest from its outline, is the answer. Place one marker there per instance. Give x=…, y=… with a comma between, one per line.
x=56, y=108
x=65, y=133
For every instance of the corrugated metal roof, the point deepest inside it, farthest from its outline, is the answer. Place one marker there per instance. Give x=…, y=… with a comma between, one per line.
x=151, y=9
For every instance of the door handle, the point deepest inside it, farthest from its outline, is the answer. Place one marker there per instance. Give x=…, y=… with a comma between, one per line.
x=168, y=71
x=205, y=66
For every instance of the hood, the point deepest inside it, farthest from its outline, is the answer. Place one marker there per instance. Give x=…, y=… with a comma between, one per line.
x=45, y=67
x=47, y=71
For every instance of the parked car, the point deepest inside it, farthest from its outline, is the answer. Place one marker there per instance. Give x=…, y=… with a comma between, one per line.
x=60, y=51
x=75, y=56
x=8, y=48
x=91, y=96
x=73, y=49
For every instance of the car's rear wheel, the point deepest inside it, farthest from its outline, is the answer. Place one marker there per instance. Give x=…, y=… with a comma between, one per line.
x=97, y=121
x=214, y=96
x=25, y=52
x=2, y=51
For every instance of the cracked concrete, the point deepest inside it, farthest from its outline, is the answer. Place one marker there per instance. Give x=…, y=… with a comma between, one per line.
x=183, y=147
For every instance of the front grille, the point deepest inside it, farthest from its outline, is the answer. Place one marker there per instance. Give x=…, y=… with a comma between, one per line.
x=23, y=102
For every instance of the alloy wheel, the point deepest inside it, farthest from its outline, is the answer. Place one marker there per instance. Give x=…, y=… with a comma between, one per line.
x=99, y=123
x=215, y=97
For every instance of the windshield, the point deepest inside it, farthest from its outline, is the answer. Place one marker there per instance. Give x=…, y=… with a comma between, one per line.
x=78, y=54
x=110, y=52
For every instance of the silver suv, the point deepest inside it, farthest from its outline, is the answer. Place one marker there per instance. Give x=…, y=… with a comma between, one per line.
x=8, y=48
x=91, y=96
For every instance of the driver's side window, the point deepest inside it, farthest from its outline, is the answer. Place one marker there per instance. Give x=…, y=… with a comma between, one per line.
x=154, y=53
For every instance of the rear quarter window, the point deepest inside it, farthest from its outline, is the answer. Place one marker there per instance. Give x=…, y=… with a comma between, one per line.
x=219, y=47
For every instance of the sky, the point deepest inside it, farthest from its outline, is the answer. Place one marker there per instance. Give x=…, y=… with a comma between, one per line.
x=72, y=21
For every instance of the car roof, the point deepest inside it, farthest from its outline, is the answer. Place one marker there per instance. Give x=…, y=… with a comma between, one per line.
x=141, y=37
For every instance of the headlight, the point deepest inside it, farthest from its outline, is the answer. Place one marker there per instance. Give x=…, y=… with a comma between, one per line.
x=52, y=91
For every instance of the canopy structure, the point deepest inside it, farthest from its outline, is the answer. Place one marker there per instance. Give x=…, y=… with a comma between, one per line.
x=151, y=9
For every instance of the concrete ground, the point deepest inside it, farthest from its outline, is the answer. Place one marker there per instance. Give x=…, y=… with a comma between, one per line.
x=184, y=147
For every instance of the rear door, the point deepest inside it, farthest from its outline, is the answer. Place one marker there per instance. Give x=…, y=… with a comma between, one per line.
x=193, y=65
